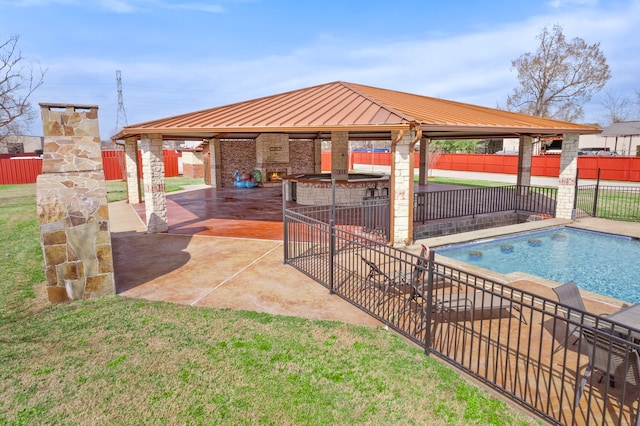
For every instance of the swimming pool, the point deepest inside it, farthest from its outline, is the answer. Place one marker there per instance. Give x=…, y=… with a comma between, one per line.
x=602, y=263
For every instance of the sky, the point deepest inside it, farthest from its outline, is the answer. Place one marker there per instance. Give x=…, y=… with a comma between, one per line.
x=182, y=56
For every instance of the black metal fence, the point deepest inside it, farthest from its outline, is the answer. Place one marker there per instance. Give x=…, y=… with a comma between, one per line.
x=608, y=202
x=474, y=201
x=524, y=345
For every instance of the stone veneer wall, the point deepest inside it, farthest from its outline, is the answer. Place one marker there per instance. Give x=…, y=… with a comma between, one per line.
x=71, y=196
x=467, y=224
x=237, y=155
x=302, y=157
x=314, y=193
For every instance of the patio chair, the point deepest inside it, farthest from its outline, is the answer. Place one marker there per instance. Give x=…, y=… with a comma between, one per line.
x=569, y=296
x=612, y=358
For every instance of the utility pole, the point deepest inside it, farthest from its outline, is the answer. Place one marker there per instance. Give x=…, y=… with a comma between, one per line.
x=121, y=117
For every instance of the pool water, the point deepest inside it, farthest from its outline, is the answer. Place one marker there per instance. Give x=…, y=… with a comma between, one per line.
x=601, y=263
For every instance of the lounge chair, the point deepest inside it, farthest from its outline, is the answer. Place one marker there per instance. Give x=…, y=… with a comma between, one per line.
x=458, y=306
x=612, y=358
x=386, y=283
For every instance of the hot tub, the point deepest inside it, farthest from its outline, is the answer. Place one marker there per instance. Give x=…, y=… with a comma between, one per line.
x=315, y=189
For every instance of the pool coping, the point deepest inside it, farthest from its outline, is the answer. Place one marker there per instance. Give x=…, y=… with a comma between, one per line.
x=468, y=237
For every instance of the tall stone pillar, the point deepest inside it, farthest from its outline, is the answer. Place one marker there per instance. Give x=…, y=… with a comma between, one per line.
x=131, y=165
x=424, y=161
x=402, y=189
x=340, y=155
x=568, y=174
x=317, y=156
x=71, y=195
x=215, y=163
x=525, y=153
x=155, y=198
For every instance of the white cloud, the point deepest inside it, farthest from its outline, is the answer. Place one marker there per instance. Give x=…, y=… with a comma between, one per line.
x=472, y=67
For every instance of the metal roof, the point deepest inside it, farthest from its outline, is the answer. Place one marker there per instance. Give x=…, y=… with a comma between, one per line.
x=366, y=112
x=625, y=128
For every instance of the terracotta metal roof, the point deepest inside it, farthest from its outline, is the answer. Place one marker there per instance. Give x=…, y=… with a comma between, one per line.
x=363, y=110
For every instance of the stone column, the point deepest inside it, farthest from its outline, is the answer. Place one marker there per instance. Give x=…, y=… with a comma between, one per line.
x=317, y=156
x=340, y=155
x=71, y=196
x=155, y=198
x=215, y=163
x=567, y=179
x=424, y=161
x=133, y=173
x=525, y=152
x=401, y=189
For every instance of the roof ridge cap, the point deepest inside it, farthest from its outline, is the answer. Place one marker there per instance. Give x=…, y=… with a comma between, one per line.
x=381, y=104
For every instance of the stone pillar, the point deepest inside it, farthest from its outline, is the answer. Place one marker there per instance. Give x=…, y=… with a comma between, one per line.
x=317, y=156
x=272, y=154
x=525, y=152
x=424, y=161
x=340, y=155
x=71, y=195
x=402, y=189
x=131, y=165
x=215, y=163
x=567, y=179
x=155, y=198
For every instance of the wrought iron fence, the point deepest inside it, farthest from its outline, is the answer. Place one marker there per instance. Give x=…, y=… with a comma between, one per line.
x=527, y=346
x=608, y=202
x=475, y=201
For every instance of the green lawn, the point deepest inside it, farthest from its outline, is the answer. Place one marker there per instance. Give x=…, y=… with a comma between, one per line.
x=116, y=360
x=117, y=189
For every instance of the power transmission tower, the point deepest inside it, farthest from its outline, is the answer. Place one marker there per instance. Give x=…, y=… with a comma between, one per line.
x=121, y=117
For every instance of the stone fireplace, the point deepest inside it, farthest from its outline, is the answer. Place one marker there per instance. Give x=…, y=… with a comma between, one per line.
x=274, y=176
x=272, y=157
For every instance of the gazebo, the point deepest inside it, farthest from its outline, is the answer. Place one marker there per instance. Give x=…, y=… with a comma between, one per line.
x=285, y=131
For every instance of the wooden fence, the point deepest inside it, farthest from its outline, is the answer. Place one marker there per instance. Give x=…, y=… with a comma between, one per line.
x=18, y=170
x=612, y=168
x=26, y=170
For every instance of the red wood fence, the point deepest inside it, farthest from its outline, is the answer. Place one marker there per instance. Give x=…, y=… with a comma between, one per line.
x=26, y=170
x=611, y=168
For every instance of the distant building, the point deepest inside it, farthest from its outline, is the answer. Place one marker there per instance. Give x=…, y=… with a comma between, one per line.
x=20, y=144
x=623, y=138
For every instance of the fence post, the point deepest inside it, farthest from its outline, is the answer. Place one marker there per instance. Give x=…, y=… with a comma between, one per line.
x=429, y=314
x=595, y=195
x=574, y=211
x=285, y=232
x=332, y=234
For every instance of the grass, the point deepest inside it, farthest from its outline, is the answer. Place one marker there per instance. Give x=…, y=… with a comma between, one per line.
x=612, y=204
x=115, y=360
x=466, y=182
x=117, y=189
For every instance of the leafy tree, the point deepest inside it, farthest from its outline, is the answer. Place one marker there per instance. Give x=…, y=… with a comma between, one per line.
x=18, y=81
x=454, y=145
x=559, y=78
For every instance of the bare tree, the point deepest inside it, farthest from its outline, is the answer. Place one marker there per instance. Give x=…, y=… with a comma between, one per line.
x=559, y=78
x=18, y=81
x=618, y=107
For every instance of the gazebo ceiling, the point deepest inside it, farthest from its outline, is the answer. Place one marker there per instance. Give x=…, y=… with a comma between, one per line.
x=366, y=112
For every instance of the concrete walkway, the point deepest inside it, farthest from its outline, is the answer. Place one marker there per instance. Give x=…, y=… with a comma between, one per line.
x=219, y=272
